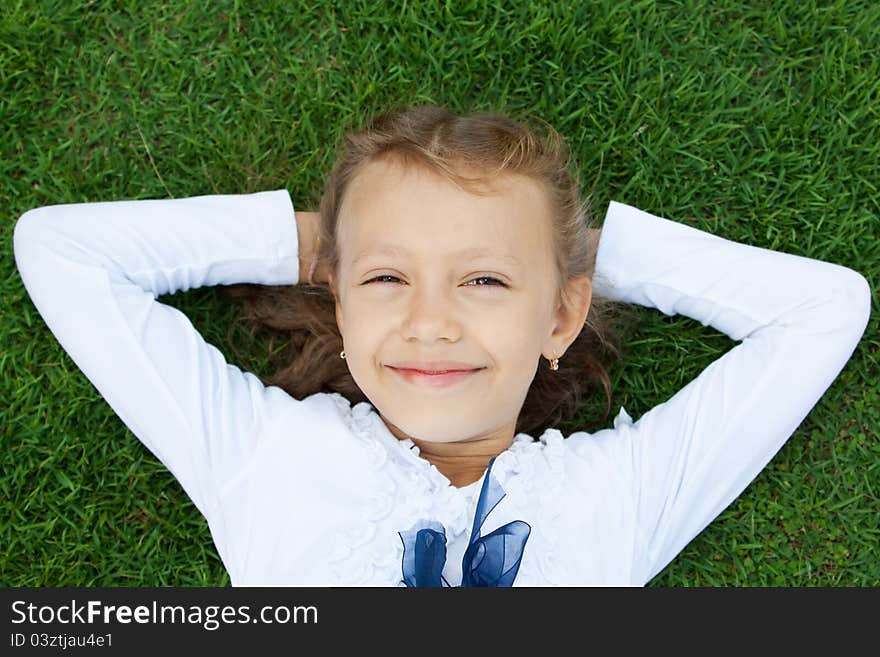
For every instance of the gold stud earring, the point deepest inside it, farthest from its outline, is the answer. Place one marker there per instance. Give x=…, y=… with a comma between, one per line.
x=554, y=364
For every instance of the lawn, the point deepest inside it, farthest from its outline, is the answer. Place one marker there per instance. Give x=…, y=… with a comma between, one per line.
x=757, y=122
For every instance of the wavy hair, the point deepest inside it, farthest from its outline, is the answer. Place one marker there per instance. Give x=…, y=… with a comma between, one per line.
x=449, y=145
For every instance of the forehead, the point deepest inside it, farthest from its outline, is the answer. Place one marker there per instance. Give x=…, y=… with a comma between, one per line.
x=411, y=212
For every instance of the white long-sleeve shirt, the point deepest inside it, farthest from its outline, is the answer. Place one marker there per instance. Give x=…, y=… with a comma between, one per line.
x=313, y=492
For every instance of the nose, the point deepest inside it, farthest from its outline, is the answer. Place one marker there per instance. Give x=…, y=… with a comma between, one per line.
x=431, y=316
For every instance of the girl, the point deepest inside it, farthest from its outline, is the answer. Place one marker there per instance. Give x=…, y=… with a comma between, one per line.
x=460, y=277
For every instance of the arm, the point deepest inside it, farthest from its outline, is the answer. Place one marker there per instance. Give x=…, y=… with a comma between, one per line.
x=94, y=270
x=798, y=321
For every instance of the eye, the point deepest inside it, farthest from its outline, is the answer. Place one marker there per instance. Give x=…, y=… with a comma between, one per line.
x=485, y=278
x=378, y=277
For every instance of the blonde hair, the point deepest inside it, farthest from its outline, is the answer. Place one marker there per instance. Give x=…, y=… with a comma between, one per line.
x=449, y=145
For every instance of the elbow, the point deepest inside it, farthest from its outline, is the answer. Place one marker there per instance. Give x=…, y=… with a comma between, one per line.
x=849, y=305
x=32, y=233
x=838, y=306
x=29, y=226
x=856, y=297
x=25, y=235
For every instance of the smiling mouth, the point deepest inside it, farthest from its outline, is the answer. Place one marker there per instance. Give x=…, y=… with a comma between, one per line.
x=438, y=379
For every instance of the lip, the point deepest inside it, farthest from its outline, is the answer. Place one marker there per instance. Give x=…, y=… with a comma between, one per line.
x=422, y=378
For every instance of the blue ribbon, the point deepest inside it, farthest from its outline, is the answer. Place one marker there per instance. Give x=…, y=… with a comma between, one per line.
x=491, y=560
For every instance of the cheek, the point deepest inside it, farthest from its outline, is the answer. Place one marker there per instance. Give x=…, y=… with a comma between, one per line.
x=360, y=306
x=517, y=341
x=363, y=340
x=520, y=325
x=511, y=345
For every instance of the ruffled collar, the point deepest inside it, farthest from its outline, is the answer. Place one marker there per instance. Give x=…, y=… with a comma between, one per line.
x=430, y=494
x=411, y=454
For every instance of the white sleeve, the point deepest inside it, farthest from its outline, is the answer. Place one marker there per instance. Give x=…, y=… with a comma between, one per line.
x=94, y=270
x=798, y=320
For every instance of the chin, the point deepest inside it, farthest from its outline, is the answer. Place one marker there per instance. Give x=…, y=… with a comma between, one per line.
x=432, y=435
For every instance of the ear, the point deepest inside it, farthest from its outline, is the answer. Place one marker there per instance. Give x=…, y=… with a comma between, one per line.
x=570, y=315
x=332, y=284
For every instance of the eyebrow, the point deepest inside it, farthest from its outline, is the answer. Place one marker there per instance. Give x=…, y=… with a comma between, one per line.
x=472, y=253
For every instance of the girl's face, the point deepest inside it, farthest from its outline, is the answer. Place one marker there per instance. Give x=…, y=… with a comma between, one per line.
x=428, y=273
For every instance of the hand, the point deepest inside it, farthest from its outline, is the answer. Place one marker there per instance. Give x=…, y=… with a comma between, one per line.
x=307, y=231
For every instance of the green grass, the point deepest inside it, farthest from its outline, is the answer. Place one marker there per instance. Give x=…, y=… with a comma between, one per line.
x=758, y=123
